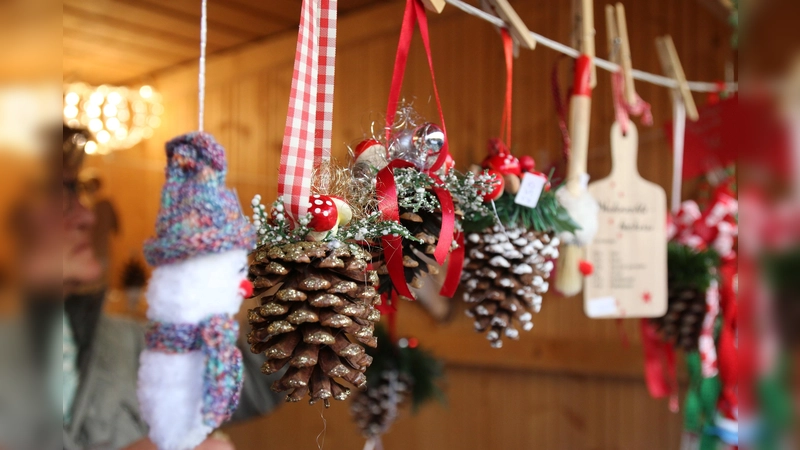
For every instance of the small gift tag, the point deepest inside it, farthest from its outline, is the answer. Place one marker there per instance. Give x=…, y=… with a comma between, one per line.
x=530, y=189
x=601, y=307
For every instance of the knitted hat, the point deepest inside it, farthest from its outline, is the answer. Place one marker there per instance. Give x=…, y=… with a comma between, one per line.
x=198, y=214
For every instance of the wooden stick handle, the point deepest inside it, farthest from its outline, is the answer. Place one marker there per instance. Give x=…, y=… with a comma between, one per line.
x=579, y=122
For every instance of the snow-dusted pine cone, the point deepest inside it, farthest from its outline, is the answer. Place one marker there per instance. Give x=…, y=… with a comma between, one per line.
x=505, y=275
x=375, y=409
x=683, y=322
x=313, y=295
x=423, y=225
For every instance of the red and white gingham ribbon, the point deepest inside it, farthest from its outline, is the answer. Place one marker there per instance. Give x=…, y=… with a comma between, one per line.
x=307, y=138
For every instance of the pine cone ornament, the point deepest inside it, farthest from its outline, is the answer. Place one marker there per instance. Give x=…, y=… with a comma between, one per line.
x=375, y=409
x=684, y=319
x=689, y=275
x=316, y=298
x=505, y=275
x=417, y=256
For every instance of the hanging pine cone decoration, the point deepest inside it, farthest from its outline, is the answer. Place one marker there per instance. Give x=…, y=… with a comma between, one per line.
x=689, y=275
x=505, y=275
x=417, y=254
x=507, y=265
x=376, y=409
x=317, y=298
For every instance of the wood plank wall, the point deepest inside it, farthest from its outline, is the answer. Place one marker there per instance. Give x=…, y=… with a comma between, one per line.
x=568, y=384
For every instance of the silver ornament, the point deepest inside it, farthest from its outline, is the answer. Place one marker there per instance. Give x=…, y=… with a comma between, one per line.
x=401, y=146
x=428, y=141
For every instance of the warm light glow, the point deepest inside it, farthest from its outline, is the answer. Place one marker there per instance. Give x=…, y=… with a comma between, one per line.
x=90, y=148
x=70, y=111
x=109, y=110
x=72, y=98
x=146, y=91
x=96, y=98
x=95, y=125
x=103, y=136
x=112, y=124
x=92, y=110
x=119, y=117
x=114, y=98
x=121, y=133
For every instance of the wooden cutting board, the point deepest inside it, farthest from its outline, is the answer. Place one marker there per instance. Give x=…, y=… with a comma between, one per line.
x=629, y=252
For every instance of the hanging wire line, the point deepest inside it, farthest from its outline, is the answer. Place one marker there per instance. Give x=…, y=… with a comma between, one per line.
x=659, y=80
x=201, y=75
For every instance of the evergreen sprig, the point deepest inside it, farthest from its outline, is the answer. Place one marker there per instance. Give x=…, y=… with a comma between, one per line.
x=413, y=190
x=548, y=215
x=422, y=369
x=691, y=268
x=467, y=192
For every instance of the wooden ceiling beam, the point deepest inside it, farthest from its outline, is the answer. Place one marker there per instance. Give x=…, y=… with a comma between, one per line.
x=176, y=24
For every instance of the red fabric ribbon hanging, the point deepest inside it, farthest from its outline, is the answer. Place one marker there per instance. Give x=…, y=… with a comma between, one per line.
x=622, y=109
x=454, y=268
x=508, y=50
x=387, y=190
x=306, y=139
x=659, y=365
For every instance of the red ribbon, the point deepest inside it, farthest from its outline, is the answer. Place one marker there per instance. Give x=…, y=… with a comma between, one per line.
x=583, y=76
x=508, y=50
x=561, y=110
x=392, y=245
x=622, y=109
x=728, y=353
x=659, y=365
x=454, y=268
x=414, y=13
x=386, y=187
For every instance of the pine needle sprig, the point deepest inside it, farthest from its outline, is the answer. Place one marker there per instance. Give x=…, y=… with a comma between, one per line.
x=691, y=268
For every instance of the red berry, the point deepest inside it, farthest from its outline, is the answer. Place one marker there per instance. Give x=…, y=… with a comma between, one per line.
x=526, y=163
x=586, y=267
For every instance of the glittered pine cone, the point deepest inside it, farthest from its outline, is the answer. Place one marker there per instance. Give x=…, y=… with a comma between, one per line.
x=683, y=322
x=505, y=275
x=375, y=409
x=317, y=303
x=417, y=256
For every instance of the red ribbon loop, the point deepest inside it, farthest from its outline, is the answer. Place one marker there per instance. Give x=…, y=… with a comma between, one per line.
x=392, y=245
x=414, y=13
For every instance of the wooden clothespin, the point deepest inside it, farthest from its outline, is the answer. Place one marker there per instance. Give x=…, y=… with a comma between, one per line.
x=436, y=6
x=672, y=68
x=583, y=31
x=519, y=31
x=619, y=47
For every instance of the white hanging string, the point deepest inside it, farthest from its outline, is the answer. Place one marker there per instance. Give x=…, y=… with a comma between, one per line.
x=678, y=135
x=659, y=80
x=201, y=75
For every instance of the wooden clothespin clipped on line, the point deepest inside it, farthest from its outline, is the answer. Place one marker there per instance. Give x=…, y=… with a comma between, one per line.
x=583, y=31
x=672, y=68
x=436, y=6
x=519, y=31
x=619, y=48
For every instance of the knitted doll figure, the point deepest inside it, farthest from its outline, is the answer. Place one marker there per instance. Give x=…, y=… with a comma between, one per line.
x=191, y=370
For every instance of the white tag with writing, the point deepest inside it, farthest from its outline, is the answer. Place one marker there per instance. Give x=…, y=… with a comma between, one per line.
x=601, y=307
x=530, y=189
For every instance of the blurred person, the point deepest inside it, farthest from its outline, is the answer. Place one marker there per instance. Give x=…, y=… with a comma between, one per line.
x=106, y=220
x=93, y=394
